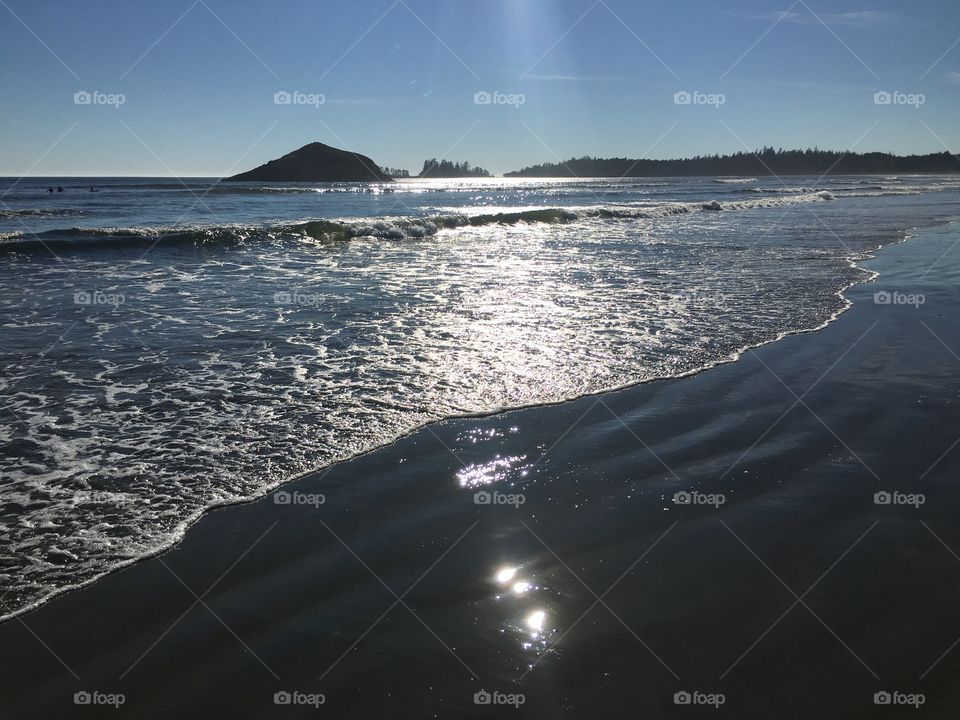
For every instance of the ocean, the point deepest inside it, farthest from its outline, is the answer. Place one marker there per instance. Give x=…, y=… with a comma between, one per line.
x=172, y=346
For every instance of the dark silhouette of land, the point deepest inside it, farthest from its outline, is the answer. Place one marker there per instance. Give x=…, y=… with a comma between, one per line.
x=434, y=168
x=764, y=162
x=317, y=162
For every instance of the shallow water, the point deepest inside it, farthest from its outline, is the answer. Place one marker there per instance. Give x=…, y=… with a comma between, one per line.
x=169, y=348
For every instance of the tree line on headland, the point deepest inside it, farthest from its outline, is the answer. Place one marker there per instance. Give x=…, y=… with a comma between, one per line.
x=434, y=168
x=768, y=161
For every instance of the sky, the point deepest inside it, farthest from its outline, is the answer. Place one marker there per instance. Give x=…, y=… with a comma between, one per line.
x=196, y=87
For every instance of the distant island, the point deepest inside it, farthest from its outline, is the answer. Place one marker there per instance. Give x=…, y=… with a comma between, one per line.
x=764, y=162
x=395, y=173
x=316, y=162
x=434, y=168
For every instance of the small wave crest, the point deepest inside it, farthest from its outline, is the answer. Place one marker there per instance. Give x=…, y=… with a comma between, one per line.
x=124, y=236
x=8, y=213
x=402, y=228
x=385, y=228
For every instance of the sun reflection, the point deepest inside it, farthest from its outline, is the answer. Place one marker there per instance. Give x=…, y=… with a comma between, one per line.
x=478, y=475
x=519, y=588
x=527, y=622
x=535, y=621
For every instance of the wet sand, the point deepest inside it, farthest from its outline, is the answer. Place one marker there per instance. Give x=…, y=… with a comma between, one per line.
x=797, y=597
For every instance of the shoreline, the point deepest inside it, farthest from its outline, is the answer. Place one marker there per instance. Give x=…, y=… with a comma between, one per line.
x=736, y=356
x=298, y=599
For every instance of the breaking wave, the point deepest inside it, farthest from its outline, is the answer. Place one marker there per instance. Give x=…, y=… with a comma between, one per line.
x=386, y=228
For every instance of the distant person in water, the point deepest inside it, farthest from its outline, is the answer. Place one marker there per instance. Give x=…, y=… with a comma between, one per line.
x=59, y=188
x=50, y=189
x=93, y=189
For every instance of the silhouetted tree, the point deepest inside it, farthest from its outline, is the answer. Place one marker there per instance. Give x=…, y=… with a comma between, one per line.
x=447, y=169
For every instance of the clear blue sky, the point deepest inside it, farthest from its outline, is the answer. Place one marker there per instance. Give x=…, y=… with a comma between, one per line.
x=399, y=79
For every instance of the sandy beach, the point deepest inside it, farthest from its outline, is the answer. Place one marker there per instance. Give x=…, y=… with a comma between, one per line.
x=785, y=586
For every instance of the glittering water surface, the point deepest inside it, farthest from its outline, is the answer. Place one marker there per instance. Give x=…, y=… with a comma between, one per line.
x=158, y=361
